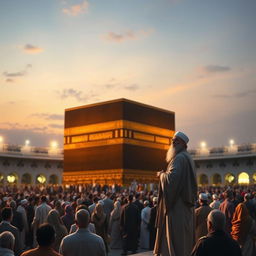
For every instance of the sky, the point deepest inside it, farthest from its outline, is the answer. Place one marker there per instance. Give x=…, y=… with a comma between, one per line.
x=194, y=57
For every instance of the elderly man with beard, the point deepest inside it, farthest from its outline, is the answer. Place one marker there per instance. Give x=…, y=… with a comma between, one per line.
x=177, y=197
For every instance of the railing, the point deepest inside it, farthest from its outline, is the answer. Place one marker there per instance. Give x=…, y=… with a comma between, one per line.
x=30, y=151
x=243, y=149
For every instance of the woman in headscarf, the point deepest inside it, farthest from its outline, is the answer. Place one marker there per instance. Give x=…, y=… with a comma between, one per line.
x=99, y=219
x=244, y=230
x=68, y=219
x=115, y=233
x=53, y=218
x=59, y=208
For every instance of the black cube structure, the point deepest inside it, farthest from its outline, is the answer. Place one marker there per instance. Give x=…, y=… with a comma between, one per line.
x=116, y=142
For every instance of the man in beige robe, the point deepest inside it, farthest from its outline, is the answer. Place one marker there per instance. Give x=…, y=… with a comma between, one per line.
x=201, y=214
x=177, y=197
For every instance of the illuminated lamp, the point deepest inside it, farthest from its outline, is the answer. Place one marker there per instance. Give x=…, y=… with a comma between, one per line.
x=41, y=179
x=11, y=178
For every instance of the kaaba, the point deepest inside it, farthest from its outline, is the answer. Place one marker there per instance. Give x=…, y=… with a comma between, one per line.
x=116, y=142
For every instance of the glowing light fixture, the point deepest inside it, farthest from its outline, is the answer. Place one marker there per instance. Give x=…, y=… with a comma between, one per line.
x=1, y=139
x=41, y=179
x=230, y=178
x=27, y=142
x=11, y=178
x=231, y=142
x=203, y=144
x=54, y=144
x=243, y=178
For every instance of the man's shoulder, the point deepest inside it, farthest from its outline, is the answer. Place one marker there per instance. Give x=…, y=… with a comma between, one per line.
x=29, y=252
x=86, y=235
x=8, y=227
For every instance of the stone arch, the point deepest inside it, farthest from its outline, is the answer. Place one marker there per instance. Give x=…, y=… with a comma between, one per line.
x=203, y=180
x=40, y=179
x=243, y=178
x=230, y=179
x=1, y=178
x=53, y=179
x=26, y=178
x=216, y=179
x=12, y=178
x=254, y=178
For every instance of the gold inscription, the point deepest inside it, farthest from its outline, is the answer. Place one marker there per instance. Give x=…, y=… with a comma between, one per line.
x=101, y=136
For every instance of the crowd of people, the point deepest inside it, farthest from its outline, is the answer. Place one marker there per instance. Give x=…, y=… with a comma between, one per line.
x=45, y=217
x=174, y=219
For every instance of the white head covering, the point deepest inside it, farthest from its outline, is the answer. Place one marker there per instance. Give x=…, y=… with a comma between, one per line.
x=182, y=136
x=155, y=199
x=24, y=201
x=215, y=197
x=203, y=196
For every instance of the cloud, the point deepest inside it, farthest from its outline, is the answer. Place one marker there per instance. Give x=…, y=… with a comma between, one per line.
x=77, y=9
x=125, y=36
x=56, y=126
x=11, y=75
x=47, y=116
x=17, y=74
x=132, y=87
x=9, y=80
x=78, y=95
x=211, y=69
x=32, y=49
x=236, y=95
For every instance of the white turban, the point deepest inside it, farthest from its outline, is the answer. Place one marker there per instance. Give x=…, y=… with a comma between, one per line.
x=182, y=136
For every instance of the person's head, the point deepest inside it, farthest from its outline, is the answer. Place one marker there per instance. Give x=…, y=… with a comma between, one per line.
x=45, y=235
x=43, y=199
x=203, y=199
x=82, y=218
x=99, y=209
x=68, y=210
x=228, y=194
x=155, y=199
x=146, y=203
x=117, y=205
x=81, y=206
x=215, y=197
x=247, y=197
x=95, y=199
x=13, y=204
x=7, y=214
x=216, y=220
x=137, y=196
x=53, y=217
x=179, y=143
x=7, y=240
x=130, y=198
x=24, y=202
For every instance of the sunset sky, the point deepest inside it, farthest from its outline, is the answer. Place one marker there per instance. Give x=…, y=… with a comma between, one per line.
x=194, y=57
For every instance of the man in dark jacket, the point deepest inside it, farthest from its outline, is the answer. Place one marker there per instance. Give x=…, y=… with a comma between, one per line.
x=5, y=225
x=17, y=220
x=130, y=225
x=152, y=225
x=217, y=241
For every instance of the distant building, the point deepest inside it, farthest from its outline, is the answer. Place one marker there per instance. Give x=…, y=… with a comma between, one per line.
x=116, y=142
x=215, y=167
x=226, y=165
x=30, y=165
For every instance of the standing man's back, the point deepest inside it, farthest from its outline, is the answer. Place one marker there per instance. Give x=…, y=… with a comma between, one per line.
x=217, y=242
x=82, y=242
